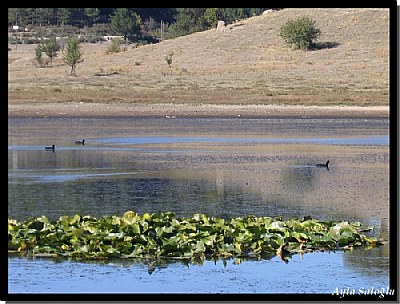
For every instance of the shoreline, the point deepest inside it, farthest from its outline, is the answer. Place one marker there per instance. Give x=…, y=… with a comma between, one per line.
x=84, y=109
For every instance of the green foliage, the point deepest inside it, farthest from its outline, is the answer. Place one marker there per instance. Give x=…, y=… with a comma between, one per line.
x=232, y=14
x=162, y=235
x=300, y=33
x=212, y=16
x=128, y=22
x=125, y=22
x=65, y=14
x=115, y=46
x=93, y=15
x=38, y=55
x=72, y=54
x=50, y=47
x=80, y=17
x=188, y=20
x=168, y=58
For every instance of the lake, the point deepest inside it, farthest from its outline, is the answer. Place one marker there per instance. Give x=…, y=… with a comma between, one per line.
x=226, y=168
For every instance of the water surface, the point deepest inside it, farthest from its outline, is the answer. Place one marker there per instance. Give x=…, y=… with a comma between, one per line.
x=221, y=167
x=320, y=273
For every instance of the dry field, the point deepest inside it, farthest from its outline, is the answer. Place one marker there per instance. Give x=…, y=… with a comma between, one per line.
x=246, y=65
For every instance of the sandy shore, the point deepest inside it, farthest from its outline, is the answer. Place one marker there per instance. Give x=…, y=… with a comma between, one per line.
x=82, y=109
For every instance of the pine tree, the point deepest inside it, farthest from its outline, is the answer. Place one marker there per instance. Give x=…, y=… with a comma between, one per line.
x=73, y=54
x=125, y=22
x=51, y=47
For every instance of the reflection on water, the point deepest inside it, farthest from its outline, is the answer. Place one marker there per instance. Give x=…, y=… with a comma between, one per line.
x=103, y=186
x=368, y=264
x=319, y=272
x=221, y=167
x=60, y=175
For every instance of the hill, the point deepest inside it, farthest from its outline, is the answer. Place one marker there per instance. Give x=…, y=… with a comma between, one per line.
x=246, y=64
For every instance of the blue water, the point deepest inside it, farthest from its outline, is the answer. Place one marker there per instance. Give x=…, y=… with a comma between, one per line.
x=236, y=276
x=121, y=168
x=372, y=140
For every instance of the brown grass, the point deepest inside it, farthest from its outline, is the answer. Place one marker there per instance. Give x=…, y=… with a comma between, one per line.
x=247, y=64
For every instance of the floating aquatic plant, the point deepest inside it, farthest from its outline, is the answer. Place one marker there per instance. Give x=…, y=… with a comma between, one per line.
x=163, y=235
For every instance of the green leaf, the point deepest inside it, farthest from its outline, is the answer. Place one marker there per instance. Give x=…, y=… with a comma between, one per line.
x=163, y=235
x=210, y=240
x=113, y=236
x=116, y=220
x=92, y=230
x=144, y=225
x=200, y=247
x=279, y=225
x=130, y=217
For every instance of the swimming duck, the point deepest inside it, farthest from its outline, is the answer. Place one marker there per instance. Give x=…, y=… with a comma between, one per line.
x=326, y=165
x=80, y=142
x=52, y=148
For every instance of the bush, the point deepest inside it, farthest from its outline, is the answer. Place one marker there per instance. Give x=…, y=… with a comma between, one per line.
x=300, y=33
x=168, y=58
x=115, y=46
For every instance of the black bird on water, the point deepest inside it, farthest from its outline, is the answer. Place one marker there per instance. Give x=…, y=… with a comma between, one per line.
x=326, y=165
x=52, y=148
x=80, y=142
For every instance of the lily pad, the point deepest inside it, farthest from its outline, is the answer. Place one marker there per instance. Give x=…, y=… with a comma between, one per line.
x=163, y=235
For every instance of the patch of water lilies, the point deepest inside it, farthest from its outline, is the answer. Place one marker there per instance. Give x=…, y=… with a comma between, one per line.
x=163, y=235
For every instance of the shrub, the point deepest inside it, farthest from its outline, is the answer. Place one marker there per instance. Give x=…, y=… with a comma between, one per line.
x=115, y=46
x=168, y=60
x=300, y=33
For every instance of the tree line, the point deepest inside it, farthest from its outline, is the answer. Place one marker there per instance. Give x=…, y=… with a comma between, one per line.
x=132, y=23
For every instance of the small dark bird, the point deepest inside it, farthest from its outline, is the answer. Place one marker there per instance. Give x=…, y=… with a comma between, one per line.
x=324, y=165
x=306, y=218
x=52, y=148
x=80, y=142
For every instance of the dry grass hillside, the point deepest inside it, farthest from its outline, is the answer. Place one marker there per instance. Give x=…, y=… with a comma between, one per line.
x=248, y=63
